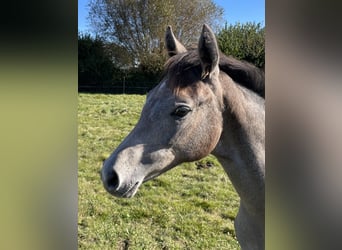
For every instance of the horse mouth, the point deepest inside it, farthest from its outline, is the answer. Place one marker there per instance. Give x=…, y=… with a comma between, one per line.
x=131, y=191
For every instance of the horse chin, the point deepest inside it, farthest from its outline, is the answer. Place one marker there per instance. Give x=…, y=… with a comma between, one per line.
x=131, y=191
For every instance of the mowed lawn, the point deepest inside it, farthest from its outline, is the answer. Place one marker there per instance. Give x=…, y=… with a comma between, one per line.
x=192, y=206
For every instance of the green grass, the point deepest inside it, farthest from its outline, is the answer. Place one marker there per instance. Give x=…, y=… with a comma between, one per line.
x=189, y=207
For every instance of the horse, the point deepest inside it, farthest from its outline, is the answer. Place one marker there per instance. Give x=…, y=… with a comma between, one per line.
x=206, y=103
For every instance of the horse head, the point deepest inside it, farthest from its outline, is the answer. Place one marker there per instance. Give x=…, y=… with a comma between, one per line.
x=181, y=120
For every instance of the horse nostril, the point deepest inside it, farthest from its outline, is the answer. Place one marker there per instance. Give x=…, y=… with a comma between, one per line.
x=111, y=181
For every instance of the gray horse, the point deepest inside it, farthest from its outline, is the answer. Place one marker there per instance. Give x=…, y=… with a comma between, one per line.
x=206, y=103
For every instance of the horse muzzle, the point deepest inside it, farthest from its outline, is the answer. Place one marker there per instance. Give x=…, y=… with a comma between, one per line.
x=116, y=186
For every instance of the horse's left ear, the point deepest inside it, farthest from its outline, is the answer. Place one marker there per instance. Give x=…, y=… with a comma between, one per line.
x=208, y=51
x=173, y=46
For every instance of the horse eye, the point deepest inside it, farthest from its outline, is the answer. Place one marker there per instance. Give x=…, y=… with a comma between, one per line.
x=181, y=111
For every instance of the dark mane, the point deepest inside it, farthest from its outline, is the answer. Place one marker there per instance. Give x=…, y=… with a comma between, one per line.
x=241, y=72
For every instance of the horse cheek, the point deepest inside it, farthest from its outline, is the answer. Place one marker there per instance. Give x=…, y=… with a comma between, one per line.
x=208, y=136
x=213, y=137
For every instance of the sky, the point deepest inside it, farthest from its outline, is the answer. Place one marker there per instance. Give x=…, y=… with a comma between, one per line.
x=234, y=11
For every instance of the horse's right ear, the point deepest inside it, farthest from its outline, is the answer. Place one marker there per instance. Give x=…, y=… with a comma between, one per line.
x=173, y=46
x=208, y=51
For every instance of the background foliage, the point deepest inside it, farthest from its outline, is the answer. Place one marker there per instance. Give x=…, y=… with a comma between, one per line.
x=94, y=62
x=139, y=26
x=106, y=63
x=244, y=42
x=128, y=50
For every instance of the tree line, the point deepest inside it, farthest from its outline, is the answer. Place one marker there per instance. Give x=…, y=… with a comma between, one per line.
x=128, y=45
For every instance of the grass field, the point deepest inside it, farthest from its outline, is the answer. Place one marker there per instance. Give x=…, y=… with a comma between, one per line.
x=189, y=207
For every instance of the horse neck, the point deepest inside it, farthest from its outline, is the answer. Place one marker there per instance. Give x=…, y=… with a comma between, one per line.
x=241, y=148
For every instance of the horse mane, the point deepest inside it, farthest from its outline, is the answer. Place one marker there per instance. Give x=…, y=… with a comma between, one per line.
x=242, y=72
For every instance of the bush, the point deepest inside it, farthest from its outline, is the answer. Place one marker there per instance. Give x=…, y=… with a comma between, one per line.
x=94, y=63
x=244, y=42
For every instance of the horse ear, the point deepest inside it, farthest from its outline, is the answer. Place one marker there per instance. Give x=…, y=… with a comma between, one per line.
x=173, y=46
x=208, y=51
